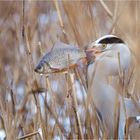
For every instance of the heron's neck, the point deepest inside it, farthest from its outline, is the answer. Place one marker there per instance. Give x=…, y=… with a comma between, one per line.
x=98, y=83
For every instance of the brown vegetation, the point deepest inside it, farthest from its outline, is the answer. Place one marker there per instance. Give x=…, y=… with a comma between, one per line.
x=39, y=107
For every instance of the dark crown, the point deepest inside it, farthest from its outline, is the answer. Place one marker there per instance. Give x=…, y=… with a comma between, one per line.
x=111, y=40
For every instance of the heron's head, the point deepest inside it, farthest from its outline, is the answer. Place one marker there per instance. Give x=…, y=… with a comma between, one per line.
x=103, y=44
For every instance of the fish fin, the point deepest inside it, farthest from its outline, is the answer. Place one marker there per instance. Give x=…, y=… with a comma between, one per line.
x=62, y=45
x=52, y=47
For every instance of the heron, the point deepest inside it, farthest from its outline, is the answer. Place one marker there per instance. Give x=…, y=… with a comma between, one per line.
x=111, y=54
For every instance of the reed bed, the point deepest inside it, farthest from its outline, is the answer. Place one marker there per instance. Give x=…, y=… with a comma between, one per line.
x=59, y=106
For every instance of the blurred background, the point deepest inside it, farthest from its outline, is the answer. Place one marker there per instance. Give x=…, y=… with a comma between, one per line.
x=30, y=103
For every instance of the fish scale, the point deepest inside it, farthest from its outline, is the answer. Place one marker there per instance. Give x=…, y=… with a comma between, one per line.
x=61, y=57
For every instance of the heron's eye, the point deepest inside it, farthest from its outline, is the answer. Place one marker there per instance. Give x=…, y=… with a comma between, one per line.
x=104, y=46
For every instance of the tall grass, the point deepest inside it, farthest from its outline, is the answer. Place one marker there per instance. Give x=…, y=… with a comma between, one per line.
x=59, y=106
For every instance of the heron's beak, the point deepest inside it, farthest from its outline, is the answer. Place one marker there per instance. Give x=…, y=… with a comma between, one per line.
x=95, y=51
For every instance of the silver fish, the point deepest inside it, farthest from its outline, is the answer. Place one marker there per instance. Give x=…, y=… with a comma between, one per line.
x=61, y=57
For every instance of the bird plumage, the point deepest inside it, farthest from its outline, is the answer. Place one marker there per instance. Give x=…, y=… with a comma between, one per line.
x=104, y=95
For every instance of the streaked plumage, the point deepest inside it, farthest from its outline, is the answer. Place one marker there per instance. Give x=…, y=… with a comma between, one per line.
x=60, y=58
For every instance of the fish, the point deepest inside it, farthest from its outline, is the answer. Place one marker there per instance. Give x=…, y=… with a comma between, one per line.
x=60, y=58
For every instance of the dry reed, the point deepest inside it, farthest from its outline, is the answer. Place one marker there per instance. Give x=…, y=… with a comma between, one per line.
x=30, y=102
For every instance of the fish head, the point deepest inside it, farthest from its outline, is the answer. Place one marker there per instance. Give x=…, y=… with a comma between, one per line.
x=39, y=68
x=42, y=68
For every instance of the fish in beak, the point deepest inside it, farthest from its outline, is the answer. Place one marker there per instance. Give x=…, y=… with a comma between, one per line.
x=96, y=49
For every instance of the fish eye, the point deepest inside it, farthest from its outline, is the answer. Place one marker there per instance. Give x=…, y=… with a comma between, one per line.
x=39, y=68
